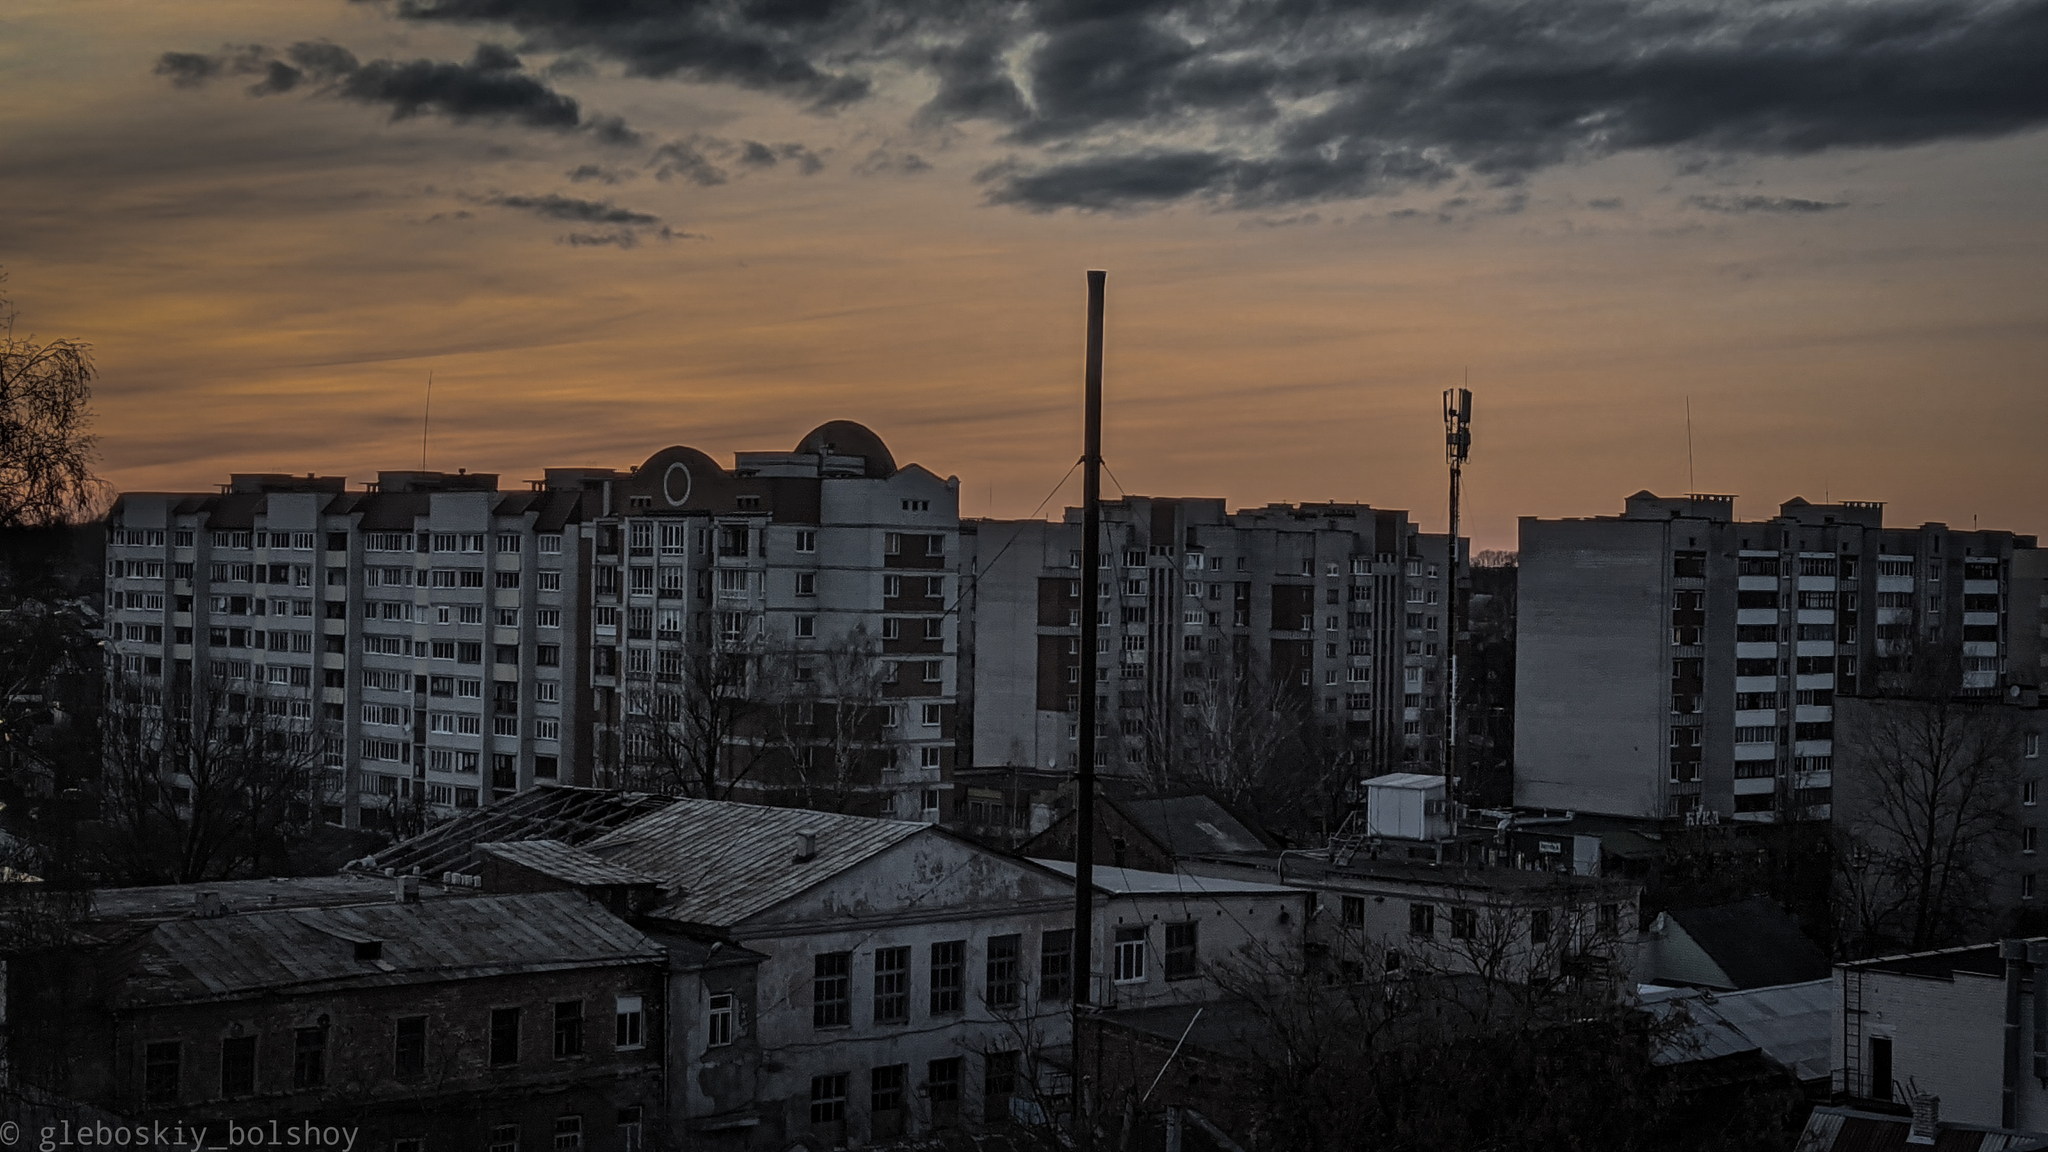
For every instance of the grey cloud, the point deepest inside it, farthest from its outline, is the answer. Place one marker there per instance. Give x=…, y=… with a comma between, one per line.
x=755, y=154
x=586, y=173
x=881, y=162
x=686, y=159
x=555, y=207
x=491, y=85
x=1737, y=205
x=1128, y=104
x=1605, y=203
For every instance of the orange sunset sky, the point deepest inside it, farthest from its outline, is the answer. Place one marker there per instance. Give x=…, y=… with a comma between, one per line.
x=606, y=228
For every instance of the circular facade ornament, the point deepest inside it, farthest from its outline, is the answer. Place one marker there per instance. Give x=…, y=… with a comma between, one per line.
x=668, y=485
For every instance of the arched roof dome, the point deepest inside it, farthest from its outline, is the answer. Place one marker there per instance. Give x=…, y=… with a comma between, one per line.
x=847, y=438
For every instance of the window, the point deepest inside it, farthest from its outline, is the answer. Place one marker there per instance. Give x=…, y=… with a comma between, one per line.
x=1352, y=911
x=885, y=1087
x=2027, y=886
x=1609, y=918
x=807, y=584
x=828, y=1098
x=628, y=1122
x=238, y=1066
x=892, y=985
x=504, y=1138
x=2033, y=745
x=568, y=1029
x=1001, y=990
x=568, y=1133
x=931, y=714
x=806, y=627
x=1182, y=954
x=998, y=1083
x=719, y=1016
x=1539, y=926
x=504, y=1036
x=942, y=1083
x=806, y=540
x=160, y=1072
x=1056, y=965
x=2030, y=839
x=948, y=959
x=409, y=1050
x=2030, y=792
x=1130, y=955
x=630, y=1023
x=309, y=1058
x=831, y=1006
x=1422, y=919
x=1464, y=923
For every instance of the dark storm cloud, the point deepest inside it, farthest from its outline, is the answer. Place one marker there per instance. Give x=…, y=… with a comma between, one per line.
x=491, y=85
x=1122, y=104
x=1736, y=205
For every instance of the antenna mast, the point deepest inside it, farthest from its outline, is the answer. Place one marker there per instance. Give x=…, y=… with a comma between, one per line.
x=426, y=418
x=1457, y=448
x=1084, y=756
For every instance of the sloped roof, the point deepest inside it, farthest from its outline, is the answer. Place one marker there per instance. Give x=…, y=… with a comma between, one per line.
x=565, y=863
x=1790, y=1024
x=722, y=862
x=308, y=949
x=1754, y=941
x=1131, y=881
x=574, y=816
x=175, y=901
x=1190, y=825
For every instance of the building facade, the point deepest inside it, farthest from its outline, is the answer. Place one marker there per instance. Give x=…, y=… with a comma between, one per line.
x=1333, y=615
x=415, y=641
x=1676, y=660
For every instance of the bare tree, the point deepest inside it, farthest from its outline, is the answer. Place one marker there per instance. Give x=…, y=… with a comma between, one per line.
x=1924, y=783
x=210, y=782
x=694, y=723
x=46, y=450
x=830, y=722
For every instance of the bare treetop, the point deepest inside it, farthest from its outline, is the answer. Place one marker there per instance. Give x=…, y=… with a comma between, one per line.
x=46, y=450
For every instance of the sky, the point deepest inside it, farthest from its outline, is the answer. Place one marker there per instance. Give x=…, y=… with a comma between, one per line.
x=1775, y=249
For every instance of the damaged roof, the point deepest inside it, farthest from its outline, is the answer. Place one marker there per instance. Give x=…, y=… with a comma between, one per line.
x=574, y=816
x=563, y=862
x=721, y=862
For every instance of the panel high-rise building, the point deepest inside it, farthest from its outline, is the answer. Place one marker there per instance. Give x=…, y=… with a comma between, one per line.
x=1334, y=614
x=443, y=643
x=1675, y=659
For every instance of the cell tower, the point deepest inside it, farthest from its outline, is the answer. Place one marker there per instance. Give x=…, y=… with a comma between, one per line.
x=1457, y=449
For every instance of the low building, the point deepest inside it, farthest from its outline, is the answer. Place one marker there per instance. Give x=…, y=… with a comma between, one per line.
x=1961, y=1024
x=437, y=1020
x=1151, y=832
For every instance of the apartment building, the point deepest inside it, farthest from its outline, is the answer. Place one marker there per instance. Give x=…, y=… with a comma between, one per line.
x=799, y=611
x=1676, y=660
x=415, y=639
x=1336, y=614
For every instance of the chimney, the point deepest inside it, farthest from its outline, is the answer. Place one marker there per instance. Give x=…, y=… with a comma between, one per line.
x=206, y=904
x=806, y=845
x=1926, y=1118
x=408, y=889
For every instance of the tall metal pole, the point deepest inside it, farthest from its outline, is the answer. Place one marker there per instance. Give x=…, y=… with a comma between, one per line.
x=1457, y=447
x=1084, y=755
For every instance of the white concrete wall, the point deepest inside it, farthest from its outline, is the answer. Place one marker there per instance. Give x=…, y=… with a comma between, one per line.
x=1947, y=1038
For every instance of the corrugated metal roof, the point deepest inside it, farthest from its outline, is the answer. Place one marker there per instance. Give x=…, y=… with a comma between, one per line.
x=439, y=940
x=574, y=816
x=1791, y=1024
x=172, y=901
x=1130, y=881
x=722, y=862
x=1831, y=1129
x=563, y=862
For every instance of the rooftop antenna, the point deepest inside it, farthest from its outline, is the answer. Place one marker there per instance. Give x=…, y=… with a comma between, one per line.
x=1457, y=449
x=426, y=418
x=1692, y=483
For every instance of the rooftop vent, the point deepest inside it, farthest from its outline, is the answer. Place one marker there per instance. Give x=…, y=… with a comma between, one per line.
x=206, y=904
x=1926, y=1118
x=806, y=846
x=408, y=889
x=369, y=949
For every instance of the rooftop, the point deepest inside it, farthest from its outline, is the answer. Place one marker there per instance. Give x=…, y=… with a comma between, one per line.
x=574, y=816
x=722, y=862
x=1830, y=1129
x=1131, y=882
x=563, y=862
x=307, y=950
x=1942, y=964
x=1790, y=1025
x=1757, y=943
x=175, y=901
